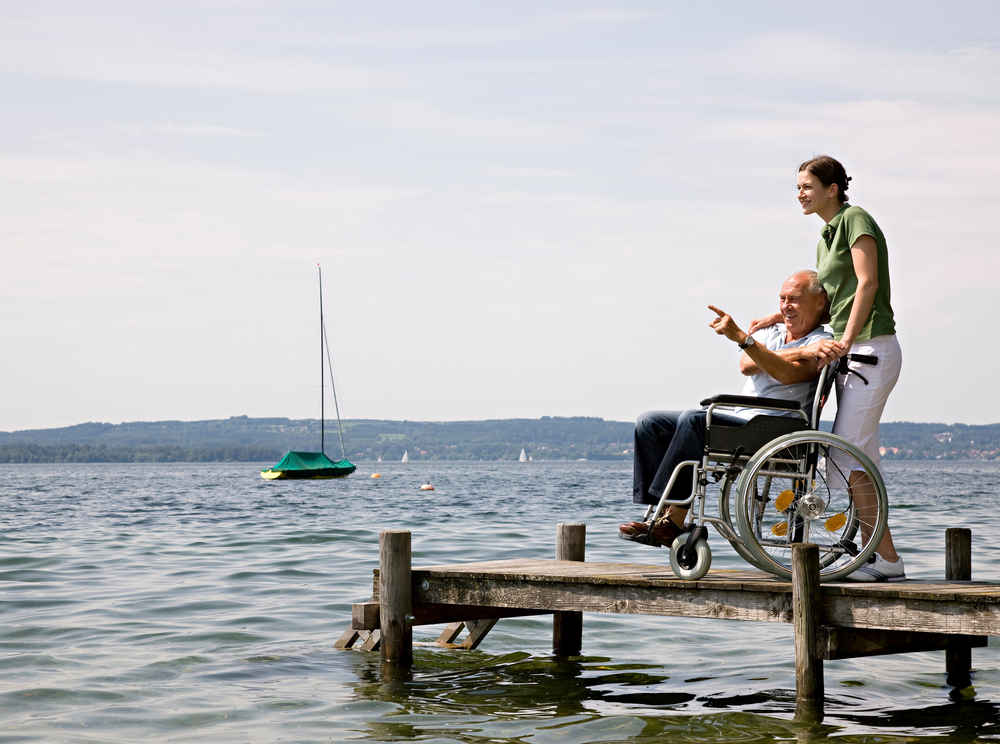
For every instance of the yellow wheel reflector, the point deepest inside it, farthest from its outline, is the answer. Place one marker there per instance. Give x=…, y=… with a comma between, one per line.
x=780, y=529
x=835, y=522
x=784, y=500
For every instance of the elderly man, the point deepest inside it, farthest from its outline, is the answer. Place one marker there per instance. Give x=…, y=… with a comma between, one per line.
x=779, y=361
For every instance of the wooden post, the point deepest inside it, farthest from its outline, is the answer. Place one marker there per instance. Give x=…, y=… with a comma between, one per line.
x=567, y=627
x=395, y=598
x=958, y=567
x=806, y=617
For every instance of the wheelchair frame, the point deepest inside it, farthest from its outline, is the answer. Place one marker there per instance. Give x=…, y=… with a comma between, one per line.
x=789, y=451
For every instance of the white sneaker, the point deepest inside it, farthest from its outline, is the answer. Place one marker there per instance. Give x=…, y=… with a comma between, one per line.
x=879, y=569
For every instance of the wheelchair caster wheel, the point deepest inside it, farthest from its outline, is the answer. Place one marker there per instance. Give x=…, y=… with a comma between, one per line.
x=703, y=559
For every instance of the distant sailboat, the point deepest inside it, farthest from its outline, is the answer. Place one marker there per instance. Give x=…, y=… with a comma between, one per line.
x=524, y=457
x=380, y=458
x=299, y=465
x=406, y=456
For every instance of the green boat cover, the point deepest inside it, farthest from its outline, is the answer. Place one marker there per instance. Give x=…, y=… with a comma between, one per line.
x=306, y=461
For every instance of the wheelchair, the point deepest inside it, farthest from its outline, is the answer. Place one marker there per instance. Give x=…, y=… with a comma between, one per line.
x=793, y=484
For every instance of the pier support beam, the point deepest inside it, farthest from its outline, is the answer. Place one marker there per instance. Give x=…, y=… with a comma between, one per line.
x=806, y=617
x=958, y=567
x=395, y=598
x=567, y=627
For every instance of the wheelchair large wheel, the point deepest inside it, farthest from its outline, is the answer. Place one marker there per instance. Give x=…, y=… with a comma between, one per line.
x=727, y=495
x=811, y=487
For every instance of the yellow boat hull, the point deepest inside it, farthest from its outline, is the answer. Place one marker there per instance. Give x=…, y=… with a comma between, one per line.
x=281, y=475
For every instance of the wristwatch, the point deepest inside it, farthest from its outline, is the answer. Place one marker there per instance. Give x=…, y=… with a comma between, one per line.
x=747, y=343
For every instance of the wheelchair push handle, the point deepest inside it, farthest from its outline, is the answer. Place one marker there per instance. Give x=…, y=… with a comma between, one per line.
x=862, y=359
x=842, y=367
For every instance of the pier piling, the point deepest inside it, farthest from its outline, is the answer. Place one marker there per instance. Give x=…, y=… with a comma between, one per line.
x=958, y=567
x=567, y=627
x=395, y=598
x=806, y=618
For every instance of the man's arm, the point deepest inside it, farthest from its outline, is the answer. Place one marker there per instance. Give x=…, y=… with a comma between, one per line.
x=787, y=367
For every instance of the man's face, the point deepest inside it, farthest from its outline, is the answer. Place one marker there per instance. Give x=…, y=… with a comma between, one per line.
x=800, y=309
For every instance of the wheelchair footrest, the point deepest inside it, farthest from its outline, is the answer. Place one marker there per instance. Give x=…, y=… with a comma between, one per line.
x=641, y=539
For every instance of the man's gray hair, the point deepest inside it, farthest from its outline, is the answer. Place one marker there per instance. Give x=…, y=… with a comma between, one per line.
x=814, y=286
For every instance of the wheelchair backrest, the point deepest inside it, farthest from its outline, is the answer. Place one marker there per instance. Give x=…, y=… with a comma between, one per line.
x=751, y=436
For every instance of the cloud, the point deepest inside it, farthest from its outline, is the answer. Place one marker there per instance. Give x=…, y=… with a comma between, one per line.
x=533, y=173
x=190, y=130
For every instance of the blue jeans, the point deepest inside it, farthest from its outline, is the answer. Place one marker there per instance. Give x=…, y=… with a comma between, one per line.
x=662, y=440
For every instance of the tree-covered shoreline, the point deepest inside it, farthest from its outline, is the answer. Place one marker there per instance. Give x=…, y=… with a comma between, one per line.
x=243, y=439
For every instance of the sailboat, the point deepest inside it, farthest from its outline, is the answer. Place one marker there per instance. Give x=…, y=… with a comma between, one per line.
x=300, y=465
x=406, y=456
x=523, y=458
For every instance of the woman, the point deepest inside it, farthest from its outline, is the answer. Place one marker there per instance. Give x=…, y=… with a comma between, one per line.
x=853, y=265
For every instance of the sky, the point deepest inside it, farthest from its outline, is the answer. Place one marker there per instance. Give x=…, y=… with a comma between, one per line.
x=521, y=209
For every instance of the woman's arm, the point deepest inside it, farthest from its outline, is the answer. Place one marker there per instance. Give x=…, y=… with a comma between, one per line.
x=864, y=254
x=765, y=321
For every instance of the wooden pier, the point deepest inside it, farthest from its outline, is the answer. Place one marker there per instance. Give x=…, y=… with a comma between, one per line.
x=831, y=621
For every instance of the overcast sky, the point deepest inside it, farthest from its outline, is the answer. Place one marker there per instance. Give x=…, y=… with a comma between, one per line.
x=521, y=208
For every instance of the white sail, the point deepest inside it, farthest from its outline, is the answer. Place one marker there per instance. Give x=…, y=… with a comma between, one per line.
x=406, y=456
x=524, y=457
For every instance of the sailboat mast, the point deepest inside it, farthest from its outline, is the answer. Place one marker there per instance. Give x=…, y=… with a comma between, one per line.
x=333, y=386
x=322, y=407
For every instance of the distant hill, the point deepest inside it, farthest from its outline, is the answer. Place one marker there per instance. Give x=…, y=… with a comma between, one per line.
x=260, y=440
x=243, y=439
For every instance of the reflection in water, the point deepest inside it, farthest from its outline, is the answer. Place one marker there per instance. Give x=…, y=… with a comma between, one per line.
x=964, y=719
x=465, y=696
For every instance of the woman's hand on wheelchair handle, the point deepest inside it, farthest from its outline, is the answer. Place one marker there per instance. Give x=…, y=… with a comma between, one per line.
x=829, y=351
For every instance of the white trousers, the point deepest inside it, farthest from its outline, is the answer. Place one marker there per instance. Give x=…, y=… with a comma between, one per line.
x=859, y=406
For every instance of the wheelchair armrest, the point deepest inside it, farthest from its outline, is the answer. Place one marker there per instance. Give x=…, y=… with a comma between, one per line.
x=751, y=401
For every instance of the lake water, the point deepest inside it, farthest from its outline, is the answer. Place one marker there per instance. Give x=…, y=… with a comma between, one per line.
x=199, y=603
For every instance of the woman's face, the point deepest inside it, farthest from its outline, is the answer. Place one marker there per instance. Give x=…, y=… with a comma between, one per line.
x=816, y=197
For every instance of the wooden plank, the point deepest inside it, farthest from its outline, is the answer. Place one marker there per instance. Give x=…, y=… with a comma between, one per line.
x=449, y=634
x=707, y=601
x=347, y=638
x=371, y=640
x=849, y=643
x=962, y=618
x=966, y=608
x=688, y=601
x=477, y=631
x=365, y=615
x=539, y=570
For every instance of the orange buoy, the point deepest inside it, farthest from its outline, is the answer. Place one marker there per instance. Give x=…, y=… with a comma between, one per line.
x=427, y=487
x=376, y=475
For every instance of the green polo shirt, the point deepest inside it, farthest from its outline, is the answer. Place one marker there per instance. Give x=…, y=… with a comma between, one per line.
x=836, y=272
